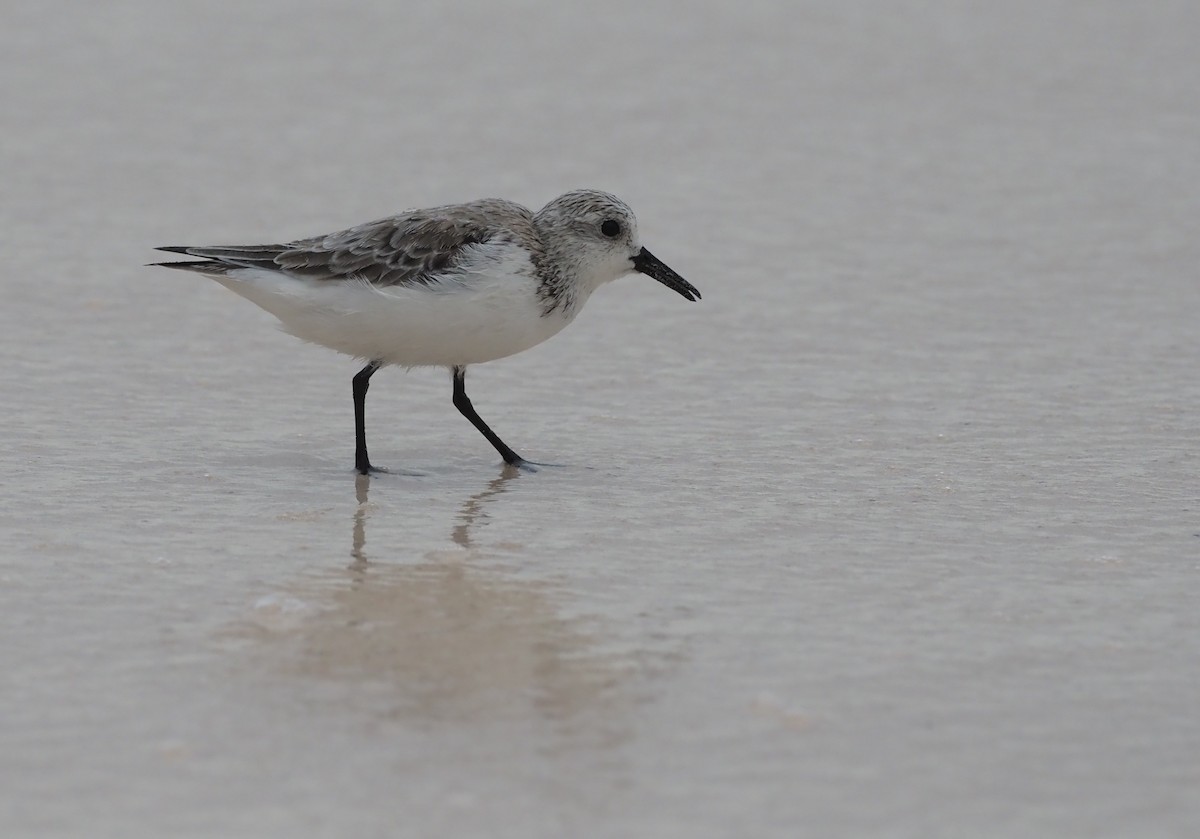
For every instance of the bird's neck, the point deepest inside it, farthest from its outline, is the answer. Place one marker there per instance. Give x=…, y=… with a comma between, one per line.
x=563, y=283
x=562, y=293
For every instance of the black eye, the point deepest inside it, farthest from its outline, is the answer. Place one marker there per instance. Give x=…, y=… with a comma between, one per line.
x=610, y=228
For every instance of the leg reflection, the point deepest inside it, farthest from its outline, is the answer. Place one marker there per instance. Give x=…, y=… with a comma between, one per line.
x=473, y=508
x=470, y=515
x=362, y=483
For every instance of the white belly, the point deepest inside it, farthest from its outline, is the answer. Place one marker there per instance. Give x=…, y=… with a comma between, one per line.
x=458, y=322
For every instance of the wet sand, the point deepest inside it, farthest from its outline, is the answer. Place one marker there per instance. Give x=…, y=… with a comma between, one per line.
x=894, y=534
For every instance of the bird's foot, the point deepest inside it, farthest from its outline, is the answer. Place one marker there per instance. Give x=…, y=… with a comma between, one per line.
x=523, y=465
x=383, y=470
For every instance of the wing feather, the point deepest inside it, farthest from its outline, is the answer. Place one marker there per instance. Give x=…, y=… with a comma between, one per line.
x=413, y=248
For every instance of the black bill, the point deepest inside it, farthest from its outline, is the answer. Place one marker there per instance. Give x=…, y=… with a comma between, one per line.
x=650, y=265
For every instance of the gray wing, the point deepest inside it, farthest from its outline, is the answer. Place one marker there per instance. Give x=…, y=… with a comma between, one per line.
x=409, y=249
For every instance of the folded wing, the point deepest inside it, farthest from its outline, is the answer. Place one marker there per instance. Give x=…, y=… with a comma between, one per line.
x=410, y=249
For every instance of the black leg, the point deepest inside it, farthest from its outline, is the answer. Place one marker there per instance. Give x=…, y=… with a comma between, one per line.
x=463, y=403
x=362, y=380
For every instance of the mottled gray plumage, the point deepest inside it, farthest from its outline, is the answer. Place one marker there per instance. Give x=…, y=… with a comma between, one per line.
x=407, y=249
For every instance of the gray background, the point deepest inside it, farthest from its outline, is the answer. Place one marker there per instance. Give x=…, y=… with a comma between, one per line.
x=895, y=534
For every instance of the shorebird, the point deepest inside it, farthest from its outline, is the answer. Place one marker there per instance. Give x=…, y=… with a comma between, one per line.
x=447, y=286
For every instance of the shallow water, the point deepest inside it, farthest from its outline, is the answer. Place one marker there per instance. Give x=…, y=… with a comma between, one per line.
x=895, y=533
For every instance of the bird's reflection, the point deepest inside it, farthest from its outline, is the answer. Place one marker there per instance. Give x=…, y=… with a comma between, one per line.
x=452, y=636
x=471, y=510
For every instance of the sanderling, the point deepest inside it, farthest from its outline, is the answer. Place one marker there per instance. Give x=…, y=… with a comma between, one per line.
x=447, y=287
